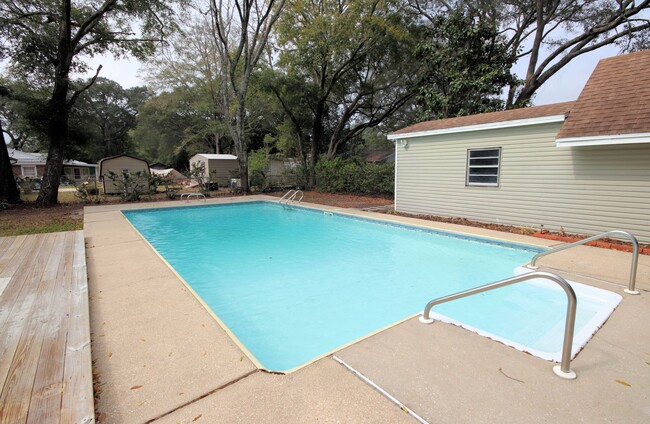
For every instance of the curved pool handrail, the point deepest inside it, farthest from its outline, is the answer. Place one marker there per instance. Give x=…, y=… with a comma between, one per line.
x=290, y=196
x=631, y=288
x=286, y=195
x=564, y=369
x=293, y=198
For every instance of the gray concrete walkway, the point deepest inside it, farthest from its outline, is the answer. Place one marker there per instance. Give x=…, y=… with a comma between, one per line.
x=160, y=355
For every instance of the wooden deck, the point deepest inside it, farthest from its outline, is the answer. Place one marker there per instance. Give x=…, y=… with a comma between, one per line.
x=45, y=365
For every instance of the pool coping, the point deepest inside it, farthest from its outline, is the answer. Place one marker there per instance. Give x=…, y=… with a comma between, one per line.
x=100, y=225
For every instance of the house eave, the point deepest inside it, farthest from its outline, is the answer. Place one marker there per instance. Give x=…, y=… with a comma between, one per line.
x=603, y=140
x=481, y=127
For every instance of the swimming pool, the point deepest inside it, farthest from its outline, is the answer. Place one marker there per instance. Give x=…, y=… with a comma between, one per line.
x=294, y=284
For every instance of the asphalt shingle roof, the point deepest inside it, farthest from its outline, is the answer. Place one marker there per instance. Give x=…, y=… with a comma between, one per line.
x=615, y=100
x=490, y=118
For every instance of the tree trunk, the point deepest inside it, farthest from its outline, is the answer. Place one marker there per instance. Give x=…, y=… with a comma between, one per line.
x=58, y=135
x=243, y=172
x=317, y=134
x=8, y=190
x=526, y=93
x=57, y=129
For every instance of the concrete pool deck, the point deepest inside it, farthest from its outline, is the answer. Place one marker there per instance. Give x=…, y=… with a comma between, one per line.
x=161, y=357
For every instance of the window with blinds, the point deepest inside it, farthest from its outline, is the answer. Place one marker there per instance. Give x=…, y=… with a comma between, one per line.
x=483, y=167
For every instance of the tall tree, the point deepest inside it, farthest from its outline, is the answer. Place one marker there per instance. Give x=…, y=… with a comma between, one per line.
x=23, y=114
x=549, y=34
x=48, y=39
x=466, y=67
x=170, y=127
x=241, y=30
x=189, y=64
x=355, y=57
x=108, y=112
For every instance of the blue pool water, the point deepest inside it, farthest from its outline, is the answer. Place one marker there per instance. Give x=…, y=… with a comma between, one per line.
x=294, y=284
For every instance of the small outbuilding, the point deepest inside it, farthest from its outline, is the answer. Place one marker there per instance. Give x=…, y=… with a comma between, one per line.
x=581, y=167
x=118, y=165
x=219, y=168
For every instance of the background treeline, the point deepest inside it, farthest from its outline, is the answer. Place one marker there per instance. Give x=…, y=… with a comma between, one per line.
x=317, y=80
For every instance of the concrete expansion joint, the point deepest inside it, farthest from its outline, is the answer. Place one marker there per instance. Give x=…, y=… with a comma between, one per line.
x=203, y=396
x=380, y=390
x=91, y=246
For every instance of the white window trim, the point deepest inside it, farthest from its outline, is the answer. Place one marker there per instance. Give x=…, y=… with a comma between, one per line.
x=22, y=171
x=467, y=168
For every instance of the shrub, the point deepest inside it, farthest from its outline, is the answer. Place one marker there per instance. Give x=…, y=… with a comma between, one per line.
x=130, y=185
x=197, y=173
x=86, y=190
x=258, y=163
x=354, y=176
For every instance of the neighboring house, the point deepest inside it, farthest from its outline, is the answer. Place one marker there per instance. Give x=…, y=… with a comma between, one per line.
x=32, y=165
x=118, y=165
x=582, y=167
x=218, y=167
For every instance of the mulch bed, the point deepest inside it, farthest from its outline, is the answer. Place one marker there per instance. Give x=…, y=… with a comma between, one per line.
x=605, y=243
x=341, y=200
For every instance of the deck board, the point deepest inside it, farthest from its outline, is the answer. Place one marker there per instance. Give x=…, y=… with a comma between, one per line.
x=43, y=309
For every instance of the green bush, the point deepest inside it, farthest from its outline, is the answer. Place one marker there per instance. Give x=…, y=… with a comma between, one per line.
x=258, y=162
x=354, y=176
x=130, y=185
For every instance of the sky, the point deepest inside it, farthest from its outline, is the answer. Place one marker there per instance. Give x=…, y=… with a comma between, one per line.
x=563, y=86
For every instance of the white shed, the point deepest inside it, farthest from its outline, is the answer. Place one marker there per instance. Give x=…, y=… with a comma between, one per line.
x=218, y=167
x=119, y=164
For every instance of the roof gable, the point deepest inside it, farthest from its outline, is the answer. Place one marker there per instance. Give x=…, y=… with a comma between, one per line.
x=615, y=100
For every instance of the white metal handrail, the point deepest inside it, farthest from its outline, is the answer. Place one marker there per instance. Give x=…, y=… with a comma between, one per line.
x=290, y=196
x=293, y=198
x=631, y=289
x=564, y=369
x=285, y=197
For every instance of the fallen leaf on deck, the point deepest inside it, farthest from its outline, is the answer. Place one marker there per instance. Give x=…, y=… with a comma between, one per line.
x=623, y=383
x=110, y=354
x=197, y=417
x=136, y=387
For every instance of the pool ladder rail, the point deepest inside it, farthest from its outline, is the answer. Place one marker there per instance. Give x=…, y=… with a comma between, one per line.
x=564, y=369
x=631, y=288
x=290, y=196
